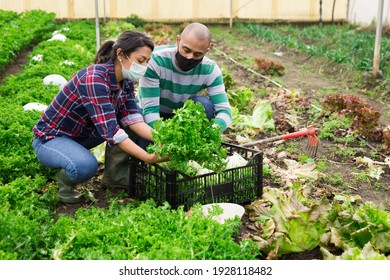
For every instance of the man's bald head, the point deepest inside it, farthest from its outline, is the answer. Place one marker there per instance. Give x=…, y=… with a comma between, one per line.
x=200, y=31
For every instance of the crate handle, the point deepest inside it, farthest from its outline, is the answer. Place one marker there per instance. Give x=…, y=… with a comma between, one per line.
x=251, y=161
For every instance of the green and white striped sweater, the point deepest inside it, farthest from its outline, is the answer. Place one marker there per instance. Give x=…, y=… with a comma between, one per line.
x=165, y=87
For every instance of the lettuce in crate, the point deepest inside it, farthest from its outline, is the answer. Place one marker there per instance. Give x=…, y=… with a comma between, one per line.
x=189, y=135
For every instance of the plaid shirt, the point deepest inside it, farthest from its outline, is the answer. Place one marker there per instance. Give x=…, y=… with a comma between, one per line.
x=90, y=105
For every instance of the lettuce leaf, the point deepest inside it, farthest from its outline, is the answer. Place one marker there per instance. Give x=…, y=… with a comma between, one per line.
x=355, y=253
x=288, y=221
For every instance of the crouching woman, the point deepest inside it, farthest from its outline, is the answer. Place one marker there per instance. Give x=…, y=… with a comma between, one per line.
x=93, y=107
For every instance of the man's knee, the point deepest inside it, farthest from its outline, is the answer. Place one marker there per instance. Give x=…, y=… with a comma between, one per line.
x=206, y=103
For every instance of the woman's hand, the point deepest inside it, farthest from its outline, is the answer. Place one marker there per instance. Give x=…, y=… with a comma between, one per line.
x=154, y=158
x=133, y=149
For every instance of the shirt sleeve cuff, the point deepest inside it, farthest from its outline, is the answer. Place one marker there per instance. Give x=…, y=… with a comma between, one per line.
x=131, y=119
x=221, y=123
x=120, y=136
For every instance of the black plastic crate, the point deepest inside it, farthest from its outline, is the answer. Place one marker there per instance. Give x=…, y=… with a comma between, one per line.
x=239, y=185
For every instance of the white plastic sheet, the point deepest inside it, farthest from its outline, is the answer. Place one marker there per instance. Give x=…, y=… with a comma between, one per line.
x=35, y=106
x=55, y=79
x=58, y=37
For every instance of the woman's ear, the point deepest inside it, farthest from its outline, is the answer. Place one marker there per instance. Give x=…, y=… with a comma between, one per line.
x=119, y=52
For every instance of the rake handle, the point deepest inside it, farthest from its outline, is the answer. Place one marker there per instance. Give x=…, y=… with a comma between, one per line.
x=277, y=138
x=295, y=134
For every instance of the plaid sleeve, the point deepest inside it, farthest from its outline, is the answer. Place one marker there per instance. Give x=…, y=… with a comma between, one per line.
x=94, y=92
x=128, y=108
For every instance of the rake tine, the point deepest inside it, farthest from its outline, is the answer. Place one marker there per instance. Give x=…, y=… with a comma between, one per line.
x=312, y=145
x=312, y=150
x=308, y=148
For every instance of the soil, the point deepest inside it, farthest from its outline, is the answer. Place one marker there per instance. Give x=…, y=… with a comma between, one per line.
x=311, y=79
x=16, y=66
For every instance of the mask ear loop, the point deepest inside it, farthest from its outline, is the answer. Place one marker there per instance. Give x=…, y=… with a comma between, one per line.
x=120, y=60
x=129, y=59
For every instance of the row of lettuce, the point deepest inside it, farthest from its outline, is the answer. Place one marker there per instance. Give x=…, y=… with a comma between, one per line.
x=287, y=221
x=351, y=45
x=20, y=30
x=27, y=198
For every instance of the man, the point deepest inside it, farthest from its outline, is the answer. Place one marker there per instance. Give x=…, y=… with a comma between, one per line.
x=176, y=73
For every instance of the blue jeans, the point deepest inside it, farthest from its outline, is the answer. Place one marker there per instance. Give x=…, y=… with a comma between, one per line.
x=68, y=153
x=208, y=108
x=206, y=103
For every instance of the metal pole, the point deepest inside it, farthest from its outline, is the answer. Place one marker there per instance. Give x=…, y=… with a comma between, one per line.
x=97, y=25
x=320, y=12
x=104, y=11
x=334, y=4
x=375, y=67
x=231, y=13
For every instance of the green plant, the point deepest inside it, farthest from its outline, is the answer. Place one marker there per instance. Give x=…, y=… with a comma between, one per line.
x=20, y=30
x=335, y=179
x=356, y=226
x=266, y=170
x=321, y=166
x=378, y=186
x=227, y=79
x=303, y=158
x=345, y=45
x=288, y=146
x=113, y=29
x=240, y=98
x=17, y=155
x=276, y=180
x=330, y=128
x=160, y=33
x=364, y=118
x=147, y=232
x=27, y=213
x=344, y=152
x=362, y=176
x=268, y=67
x=189, y=135
x=260, y=120
x=135, y=20
x=285, y=217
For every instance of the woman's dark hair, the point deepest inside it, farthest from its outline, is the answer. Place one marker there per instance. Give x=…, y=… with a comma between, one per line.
x=128, y=41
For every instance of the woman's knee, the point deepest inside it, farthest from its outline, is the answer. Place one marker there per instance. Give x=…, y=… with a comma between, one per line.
x=80, y=171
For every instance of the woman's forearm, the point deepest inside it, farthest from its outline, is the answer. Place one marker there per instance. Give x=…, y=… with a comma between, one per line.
x=133, y=149
x=143, y=130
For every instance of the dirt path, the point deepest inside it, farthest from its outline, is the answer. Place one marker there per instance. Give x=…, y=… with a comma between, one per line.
x=16, y=66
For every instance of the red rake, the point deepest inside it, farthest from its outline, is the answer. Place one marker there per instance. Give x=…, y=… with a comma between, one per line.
x=310, y=131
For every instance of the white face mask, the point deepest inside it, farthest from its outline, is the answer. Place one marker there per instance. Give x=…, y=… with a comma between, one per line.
x=135, y=72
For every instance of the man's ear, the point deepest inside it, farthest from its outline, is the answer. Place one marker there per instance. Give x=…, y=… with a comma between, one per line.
x=177, y=39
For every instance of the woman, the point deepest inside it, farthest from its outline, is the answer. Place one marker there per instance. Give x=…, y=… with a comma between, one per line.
x=91, y=108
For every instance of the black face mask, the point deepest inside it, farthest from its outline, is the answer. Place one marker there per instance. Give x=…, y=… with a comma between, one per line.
x=186, y=64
